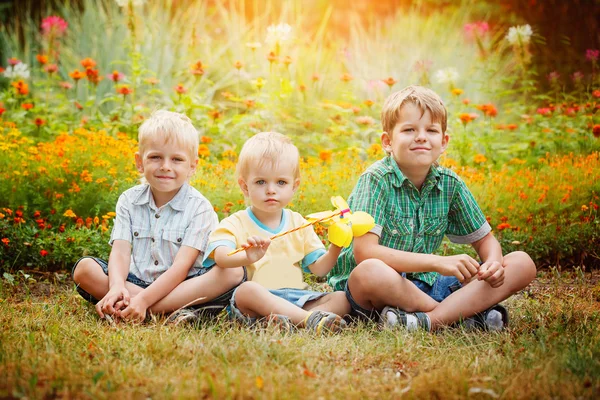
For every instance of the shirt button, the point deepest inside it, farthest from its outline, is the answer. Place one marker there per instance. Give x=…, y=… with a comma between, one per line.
x=156, y=216
x=394, y=232
x=156, y=262
x=136, y=234
x=179, y=240
x=152, y=239
x=437, y=232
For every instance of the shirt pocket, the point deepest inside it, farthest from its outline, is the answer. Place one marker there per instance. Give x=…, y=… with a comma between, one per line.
x=398, y=232
x=434, y=228
x=174, y=236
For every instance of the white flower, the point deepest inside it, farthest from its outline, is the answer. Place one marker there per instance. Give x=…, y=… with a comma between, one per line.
x=18, y=71
x=278, y=34
x=446, y=75
x=519, y=34
x=125, y=3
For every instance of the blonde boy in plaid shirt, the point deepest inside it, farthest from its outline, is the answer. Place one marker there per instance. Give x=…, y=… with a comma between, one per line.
x=390, y=273
x=160, y=235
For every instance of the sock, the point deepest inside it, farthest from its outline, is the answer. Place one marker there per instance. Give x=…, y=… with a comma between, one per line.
x=417, y=321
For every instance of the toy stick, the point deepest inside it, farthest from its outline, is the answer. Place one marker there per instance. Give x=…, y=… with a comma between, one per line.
x=335, y=214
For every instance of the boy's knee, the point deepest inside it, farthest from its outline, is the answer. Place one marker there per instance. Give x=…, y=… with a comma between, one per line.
x=524, y=265
x=368, y=275
x=83, y=269
x=248, y=288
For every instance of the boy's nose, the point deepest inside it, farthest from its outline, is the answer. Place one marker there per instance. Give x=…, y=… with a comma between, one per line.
x=420, y=135
x=165, y=166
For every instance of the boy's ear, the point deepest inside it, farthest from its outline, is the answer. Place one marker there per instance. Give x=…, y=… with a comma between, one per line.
x=243, y=186
x=296, y=184
x=194, y=165
x=138, y=163
x=445, y=141
x=386, y=142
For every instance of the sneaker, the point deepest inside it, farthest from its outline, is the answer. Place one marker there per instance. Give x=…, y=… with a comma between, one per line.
x=494, y=318
x=323, y=321
x=181, y=316
x=280, y=322
x=392, y=318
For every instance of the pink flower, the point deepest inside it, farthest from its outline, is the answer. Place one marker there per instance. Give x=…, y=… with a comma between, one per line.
x=577, y=76
x=54, y=25
x=592, y=54
x=422, y=65
x=545, y=111
x=116, y=76
x=66, y=85
x=474, y=29
x=14, y=61
x=553, y=77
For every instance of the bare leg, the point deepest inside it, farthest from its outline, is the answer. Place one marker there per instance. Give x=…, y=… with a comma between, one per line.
x=374, y=285
x=335, y=302
x=90, y=277
x=478, y=295
x=254, y=300
x=200, y=289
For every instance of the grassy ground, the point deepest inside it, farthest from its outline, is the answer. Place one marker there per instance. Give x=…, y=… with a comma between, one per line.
x=53, y=345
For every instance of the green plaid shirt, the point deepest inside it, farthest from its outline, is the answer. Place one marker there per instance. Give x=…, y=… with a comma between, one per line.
x=409, y=220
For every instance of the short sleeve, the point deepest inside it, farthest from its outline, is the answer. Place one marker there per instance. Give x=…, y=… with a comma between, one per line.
x=369, y=195
x=201, y=225
x=223, y=235
x=122, y=222
x=313, y=247
x=466, y=221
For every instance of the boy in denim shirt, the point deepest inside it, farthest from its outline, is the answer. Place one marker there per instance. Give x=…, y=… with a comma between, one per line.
x=269, y=174
x=390, y=273
x=160, y=234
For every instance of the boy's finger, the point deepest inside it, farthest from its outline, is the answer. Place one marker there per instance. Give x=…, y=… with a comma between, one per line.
x=99, y=309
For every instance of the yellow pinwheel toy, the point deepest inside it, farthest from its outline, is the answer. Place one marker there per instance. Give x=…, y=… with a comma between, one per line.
x=342, y=223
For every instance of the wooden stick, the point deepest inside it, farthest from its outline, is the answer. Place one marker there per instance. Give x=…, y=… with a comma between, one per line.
x=335, y=214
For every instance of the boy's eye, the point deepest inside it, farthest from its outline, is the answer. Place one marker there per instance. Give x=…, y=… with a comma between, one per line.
x=154, y=157
x=260, y=182
x=281, y=182
x=408, y=129
x=178, y=159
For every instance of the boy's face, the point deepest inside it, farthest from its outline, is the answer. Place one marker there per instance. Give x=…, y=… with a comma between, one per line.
x=416, y=142
x=269, y=187
x=166, y=167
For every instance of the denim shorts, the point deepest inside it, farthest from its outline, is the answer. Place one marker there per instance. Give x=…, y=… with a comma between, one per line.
x=443, y=287
x=212, y=307
x=298, y=297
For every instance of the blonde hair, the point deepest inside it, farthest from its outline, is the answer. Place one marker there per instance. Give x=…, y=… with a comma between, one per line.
x=425, y=99
x=267, y=147
x=172, y=127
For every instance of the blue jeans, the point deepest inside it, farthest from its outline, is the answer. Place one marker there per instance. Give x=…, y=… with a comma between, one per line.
x=443, y=287
x=212, y=307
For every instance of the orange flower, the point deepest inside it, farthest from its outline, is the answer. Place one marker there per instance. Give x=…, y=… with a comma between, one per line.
x=467, y=117
x=480, y=159
x=93, y=75
x=272, y=57
x=27, y=106
x=5, y=241
x=302, y=87
x=287, y=60
x=215, y=114
x=503, y=226
x=21, y=87
x=39, y=121
x=315, y=77
x=368, y=103
x=203, y=151
x=466, y=102
x=77, y=75
x=42, y=59
x=180, y=88
x=512, y=127
x=88, y=63
x=346, y=77
x=325, y=155
x=197, y=68
x=488, y=109
x=457, y=92
x=238, y=65
x=205, y=139
x=151, y=81
x=389, y=81
x=124, y=90
x=249, y=103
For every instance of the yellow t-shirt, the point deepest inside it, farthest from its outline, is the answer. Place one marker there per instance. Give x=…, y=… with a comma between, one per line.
x=285, y=259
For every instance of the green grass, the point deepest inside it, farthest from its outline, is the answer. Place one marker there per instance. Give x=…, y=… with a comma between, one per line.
x=53, y=345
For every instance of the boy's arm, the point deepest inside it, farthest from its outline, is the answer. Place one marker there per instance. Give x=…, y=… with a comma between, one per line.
x=461, y=266
x=163, y=285
x=118, y=268
x=251, y=255
x=326, y=262
x=490, y=252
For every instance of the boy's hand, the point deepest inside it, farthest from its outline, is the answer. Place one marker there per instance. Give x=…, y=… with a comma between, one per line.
x=258, y=249
x=462, y=266
x=136, y=311
x=492, y=272
x=108, y=304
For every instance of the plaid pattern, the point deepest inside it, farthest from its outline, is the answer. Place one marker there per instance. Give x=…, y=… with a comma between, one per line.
x=409, y=220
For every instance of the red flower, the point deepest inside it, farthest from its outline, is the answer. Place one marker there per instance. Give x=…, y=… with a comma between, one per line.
x=42, y=58
x=2, y=110
x=124, y=90
x=51, y=68
x=596, y=130
x=27, y=106
x=39, y=121
x=180, y=88
x=43, y=253
x=596, y=93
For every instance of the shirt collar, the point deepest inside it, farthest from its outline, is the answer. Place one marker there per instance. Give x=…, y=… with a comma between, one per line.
x=398, y=178
x=176, y=203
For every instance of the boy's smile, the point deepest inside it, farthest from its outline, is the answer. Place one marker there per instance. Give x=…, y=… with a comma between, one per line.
x=166, y=167
x=416, y=142
x=269, y=188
